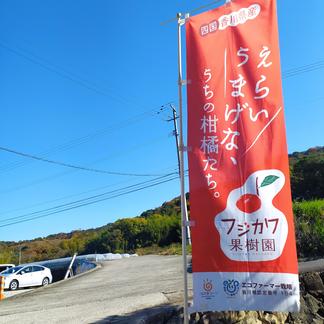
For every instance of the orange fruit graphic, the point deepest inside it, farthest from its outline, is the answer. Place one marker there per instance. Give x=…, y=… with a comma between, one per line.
x=248, y=203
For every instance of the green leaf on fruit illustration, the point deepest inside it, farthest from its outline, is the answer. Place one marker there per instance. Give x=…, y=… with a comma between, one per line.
x=268, y=180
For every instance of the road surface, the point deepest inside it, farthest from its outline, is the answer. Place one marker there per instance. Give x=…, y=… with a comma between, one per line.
x=119, y=287
x=9, y=293
x=311, y=266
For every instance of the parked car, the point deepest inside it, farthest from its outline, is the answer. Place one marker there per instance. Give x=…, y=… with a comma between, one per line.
x=26, y=276
x=4, y=267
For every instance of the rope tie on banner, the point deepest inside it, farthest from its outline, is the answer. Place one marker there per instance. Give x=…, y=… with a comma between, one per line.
x=189, y=223
x=182, y=21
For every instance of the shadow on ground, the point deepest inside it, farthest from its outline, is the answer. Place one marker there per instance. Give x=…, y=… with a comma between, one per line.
x=154, y=315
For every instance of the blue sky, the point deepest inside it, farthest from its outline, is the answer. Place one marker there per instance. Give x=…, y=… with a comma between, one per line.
x=81, y=82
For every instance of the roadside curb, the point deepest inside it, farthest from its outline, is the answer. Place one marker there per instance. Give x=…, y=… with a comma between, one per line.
x=35, y=290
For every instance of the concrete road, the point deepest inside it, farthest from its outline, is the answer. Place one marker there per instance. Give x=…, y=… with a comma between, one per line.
x=311, y=266
x=8, y=293
x=119, y=287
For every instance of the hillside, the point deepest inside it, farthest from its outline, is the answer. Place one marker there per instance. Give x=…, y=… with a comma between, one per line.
x=161, y=226
x=315, y=153
x=307, y=174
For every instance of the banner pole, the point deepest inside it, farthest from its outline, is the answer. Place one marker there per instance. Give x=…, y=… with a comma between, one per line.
x=182, y=184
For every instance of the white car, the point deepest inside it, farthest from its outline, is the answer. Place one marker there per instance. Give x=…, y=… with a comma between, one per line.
x=4, y=267
x=26, y=276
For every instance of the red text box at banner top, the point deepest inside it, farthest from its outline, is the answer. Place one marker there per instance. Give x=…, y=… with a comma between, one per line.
x=238, y=164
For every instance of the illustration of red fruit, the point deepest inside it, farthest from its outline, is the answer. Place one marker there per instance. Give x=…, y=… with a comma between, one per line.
x=248, y=203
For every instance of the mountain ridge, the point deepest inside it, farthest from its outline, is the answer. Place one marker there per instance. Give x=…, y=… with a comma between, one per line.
x=160, y=225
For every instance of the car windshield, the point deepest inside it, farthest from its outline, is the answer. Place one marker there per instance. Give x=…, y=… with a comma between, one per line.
x=11, y=270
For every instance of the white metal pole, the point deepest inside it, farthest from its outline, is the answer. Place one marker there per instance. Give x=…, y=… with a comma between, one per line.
x=70, y=266
x=182, y=184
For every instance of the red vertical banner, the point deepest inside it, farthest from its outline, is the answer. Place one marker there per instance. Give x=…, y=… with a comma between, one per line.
x=243, y=240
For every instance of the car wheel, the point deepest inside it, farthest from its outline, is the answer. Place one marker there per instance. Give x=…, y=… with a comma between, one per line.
x=45, y=282
x=14, y=285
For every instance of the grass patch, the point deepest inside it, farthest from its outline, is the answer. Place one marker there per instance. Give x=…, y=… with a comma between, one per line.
x=172, y=249
x=309, y=223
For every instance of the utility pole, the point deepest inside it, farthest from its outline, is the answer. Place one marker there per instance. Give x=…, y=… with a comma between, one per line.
x=19, y=258
x=176, y=135
x=175, y=131
x=21, y=248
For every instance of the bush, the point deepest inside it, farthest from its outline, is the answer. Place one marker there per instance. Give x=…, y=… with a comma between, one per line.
x=309, y=222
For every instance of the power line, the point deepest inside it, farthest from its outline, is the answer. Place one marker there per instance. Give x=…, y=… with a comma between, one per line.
x=38, y=158
x=36, y=182
x=71, y=76
x=86, y=204
x=84, y=139
x=94, y=199
x=305, y=66
x=62, y=174
x=35, y=59
x=75, y=194
x=192, y=11
x=60, y=71
x=286, y=74
x=89, y=198
x=204, y=6
x=303, y=69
